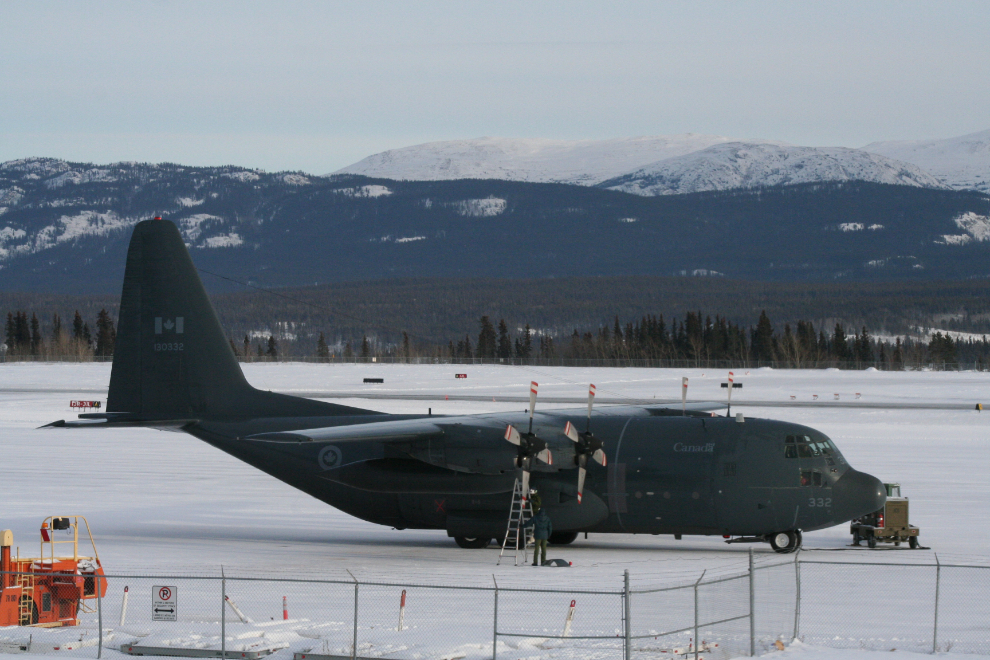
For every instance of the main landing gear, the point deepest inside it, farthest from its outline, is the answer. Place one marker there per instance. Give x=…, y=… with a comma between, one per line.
x=785, y=542
x=472, y=542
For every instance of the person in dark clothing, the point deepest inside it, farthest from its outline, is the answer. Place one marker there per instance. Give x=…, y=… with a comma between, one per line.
x=542, y=529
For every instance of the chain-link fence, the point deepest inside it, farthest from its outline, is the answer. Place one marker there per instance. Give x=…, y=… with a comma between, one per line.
x=840, y=604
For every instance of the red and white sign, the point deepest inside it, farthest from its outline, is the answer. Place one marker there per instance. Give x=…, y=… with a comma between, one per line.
x=460, y=375
x=164, y=604
x=85, y=404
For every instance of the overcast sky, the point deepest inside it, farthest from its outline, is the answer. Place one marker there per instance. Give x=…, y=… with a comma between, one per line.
x=315, y=86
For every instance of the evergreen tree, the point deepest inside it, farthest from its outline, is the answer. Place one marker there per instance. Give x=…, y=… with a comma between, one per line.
x=348, y=350
x=35, y=335
x=864, y=349
x=504, y=341
x=365, y=348
x=897, y=359
x=247, y=346
x=486, y=339
x=840, y=346
x=77, y=327
x=322, y=350
x=272, y=351
x=87, y=337
x=527, y=343
x=763, y=339
x=261, y=351
x=23, y=332
x=406, y=351
x=106, y=335
x=11, y=333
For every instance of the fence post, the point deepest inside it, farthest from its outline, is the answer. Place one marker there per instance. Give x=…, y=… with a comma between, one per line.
x=700, y=577
x=626, y=602
x=938, y=581
x=99, y=614
x=797, y=596
x=354, y=641
x=223, y=614
x=752, y=599
x=495, y=623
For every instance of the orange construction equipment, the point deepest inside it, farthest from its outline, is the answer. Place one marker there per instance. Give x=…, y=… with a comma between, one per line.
x=51, y=590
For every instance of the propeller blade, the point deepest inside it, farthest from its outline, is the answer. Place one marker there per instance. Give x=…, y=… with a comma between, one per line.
x=533, y=386
x=581, y=474
x=525, y=484
x=591, y=400
x=545, y=456
x=571, y=432
x=512, y=435
x=599, y=456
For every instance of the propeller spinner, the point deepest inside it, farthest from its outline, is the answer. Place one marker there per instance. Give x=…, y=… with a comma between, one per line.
x=530, y=446
x=585, y=445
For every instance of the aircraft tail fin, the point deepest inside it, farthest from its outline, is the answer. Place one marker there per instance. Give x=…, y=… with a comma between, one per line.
x=171, y=358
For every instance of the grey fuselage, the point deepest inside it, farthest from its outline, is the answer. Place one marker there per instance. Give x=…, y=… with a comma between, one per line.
x=665, y=474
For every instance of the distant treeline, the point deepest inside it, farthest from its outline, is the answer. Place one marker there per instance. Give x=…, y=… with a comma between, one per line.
x=607, y=318
x=23, y=337
x=697, y=338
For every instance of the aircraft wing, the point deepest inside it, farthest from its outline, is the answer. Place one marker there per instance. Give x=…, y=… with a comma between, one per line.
x=693, y=408
x=404, y=429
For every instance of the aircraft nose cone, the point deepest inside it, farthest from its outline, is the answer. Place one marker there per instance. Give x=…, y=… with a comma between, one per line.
x=857, y=494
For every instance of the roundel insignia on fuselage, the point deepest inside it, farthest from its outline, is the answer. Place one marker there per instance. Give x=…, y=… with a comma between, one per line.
x=329, y=457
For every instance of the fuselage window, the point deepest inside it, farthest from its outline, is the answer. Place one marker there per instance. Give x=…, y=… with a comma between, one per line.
x=805, y=477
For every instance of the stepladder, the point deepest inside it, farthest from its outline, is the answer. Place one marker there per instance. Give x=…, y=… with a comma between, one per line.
x=518, y=538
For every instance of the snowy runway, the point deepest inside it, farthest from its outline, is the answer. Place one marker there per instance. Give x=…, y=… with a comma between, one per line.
x=162, y=502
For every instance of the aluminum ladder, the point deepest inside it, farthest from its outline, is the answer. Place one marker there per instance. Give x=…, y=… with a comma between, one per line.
x=517, y=538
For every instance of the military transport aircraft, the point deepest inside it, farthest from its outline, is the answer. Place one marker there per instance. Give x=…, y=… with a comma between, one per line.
x=620, y=469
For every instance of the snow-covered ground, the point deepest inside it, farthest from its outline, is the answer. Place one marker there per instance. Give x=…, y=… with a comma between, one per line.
x=166, y=503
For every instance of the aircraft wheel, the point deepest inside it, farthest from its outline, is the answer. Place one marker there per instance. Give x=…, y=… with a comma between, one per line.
x=785, y=542
x=913, y=542
x=563, y=538
x=472, y=542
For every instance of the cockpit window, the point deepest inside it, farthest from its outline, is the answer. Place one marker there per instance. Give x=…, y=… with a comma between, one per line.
x=804, y=447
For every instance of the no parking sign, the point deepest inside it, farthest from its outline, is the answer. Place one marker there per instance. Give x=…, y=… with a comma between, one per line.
x=164, y=604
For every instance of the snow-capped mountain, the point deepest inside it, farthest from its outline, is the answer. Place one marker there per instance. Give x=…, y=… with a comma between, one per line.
x=581, y=162
x=961, y=162
x=658, y=165
x=749, y=165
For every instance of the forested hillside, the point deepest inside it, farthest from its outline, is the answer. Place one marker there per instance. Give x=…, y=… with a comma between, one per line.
x=64, y=228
